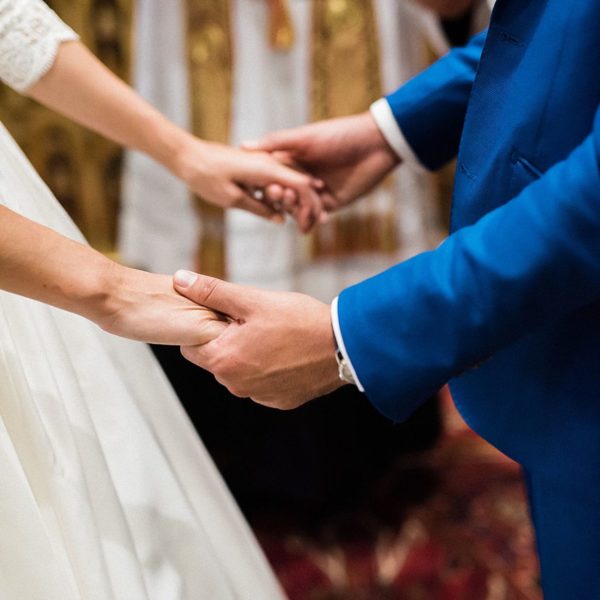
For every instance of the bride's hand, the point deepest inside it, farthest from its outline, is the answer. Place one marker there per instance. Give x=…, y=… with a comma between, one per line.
x=226, y=176
x=143, y=306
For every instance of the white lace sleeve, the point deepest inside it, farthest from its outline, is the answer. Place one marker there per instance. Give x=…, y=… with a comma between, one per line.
x=30, y=34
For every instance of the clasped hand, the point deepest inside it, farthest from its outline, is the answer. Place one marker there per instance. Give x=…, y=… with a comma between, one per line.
x=306, y=172
x=278, y=348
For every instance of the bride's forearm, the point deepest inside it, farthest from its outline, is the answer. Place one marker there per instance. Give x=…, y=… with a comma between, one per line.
x=80, y=87
x=39, y=263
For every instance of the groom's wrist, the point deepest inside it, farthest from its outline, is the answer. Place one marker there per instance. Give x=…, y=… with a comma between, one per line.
x=346, y=371
x=383, y=117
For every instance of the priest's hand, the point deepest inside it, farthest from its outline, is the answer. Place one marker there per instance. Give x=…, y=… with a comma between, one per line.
x=349, y=154
x=279, y=348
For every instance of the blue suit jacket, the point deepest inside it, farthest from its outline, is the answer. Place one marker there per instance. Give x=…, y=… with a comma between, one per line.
x=508, y=308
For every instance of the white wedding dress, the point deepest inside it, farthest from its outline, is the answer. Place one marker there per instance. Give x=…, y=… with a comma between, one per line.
x=106, y=493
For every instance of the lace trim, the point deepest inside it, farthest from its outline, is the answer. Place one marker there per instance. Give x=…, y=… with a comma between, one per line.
x=30, y=34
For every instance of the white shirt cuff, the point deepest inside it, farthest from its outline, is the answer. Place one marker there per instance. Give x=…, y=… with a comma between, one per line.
x=340, y=342
x=384, y=118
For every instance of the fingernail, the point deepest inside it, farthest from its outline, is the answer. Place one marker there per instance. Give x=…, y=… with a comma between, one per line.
x=185, y=279
x=250, y=144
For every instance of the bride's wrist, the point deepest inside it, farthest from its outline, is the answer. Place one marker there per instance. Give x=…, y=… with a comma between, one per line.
x=190, y=159
x=104, y=294
x=164, y=141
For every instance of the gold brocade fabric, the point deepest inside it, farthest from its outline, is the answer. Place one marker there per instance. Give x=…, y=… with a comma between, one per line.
x=281, y=28
x=210, y=54
x=82, y=169
x=346, y=75
x=346, y=79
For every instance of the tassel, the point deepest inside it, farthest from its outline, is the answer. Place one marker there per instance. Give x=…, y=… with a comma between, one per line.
x=281, y=28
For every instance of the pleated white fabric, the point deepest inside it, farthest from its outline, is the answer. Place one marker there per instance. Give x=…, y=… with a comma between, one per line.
x=106, y=493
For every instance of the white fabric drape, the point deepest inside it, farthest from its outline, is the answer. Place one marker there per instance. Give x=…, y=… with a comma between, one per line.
x=106, y=493
x=158, y=225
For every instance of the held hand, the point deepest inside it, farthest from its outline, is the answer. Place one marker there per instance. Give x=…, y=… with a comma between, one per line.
x=349, y=154
x=225, y=176
x=279, y=350
x=143, y=306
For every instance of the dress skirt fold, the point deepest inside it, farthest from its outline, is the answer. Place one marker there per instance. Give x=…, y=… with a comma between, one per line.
x=106, y=492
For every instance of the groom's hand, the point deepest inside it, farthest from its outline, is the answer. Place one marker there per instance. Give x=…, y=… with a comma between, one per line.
x=349, y=154
x=279, y=350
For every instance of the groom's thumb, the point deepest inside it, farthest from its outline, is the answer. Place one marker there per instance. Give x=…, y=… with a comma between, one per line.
x=213, y=293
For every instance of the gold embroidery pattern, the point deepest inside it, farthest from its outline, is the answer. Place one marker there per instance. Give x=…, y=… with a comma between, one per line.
x=346, y=79
x=345, y=58
x=281, y=28
x=82, y=169
x=210, y=56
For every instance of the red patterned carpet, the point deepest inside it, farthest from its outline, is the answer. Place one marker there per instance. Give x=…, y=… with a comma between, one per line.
x=451, y=524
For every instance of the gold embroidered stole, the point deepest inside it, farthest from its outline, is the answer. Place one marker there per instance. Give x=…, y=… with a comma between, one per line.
x=281, y=28
x=346, y=79
x=210, y=57
x=82, y=169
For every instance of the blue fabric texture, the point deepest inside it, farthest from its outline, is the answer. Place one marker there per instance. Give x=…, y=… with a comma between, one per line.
x=508, y=308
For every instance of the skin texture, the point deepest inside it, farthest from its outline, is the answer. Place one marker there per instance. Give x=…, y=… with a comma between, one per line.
x=268, y=352
x=84, y=90
x=279, y=348
x=38, y=263
x=349, y=154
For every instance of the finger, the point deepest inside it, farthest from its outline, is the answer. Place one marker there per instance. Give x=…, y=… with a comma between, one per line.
x=287, y=139
x=286, y=158
x=288, y=177
x=299, y=184
x=290, y=199
x=206, y=330
x=279, y=168
x=274, y=192
x=310, y=210
x=305, y=220
x=330, y=202
x=198, y=355
x=224, y=297
x=244, y=201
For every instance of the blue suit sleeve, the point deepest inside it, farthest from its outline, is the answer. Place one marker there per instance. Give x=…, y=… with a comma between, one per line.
x=430, y=109
x=534, y=260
